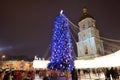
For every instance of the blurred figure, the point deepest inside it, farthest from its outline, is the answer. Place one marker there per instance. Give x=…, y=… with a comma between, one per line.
x=7, y=76
x=112, y=72
x=12, y=76
x=2, y=73
x=74, y=74
x=116, y=74
x=107, y=74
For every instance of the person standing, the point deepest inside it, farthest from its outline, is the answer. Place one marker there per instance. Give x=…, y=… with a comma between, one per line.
x=74, y=74
x=7, y=76
x=107, y=74
x=112, y=72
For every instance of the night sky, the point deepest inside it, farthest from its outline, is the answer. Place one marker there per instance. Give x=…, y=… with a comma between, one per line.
x=26, y=25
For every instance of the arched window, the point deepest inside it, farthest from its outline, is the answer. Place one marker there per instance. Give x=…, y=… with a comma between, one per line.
x=83, y=26
x=86, y=49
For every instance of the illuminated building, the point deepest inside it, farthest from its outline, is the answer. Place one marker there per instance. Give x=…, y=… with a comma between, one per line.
x=89, y=44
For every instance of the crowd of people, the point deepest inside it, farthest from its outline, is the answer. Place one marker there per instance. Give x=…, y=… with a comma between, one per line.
x=101, y=73
x=7, y=74
x=113, y=72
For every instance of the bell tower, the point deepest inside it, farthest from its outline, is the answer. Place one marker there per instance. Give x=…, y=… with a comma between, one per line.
x=89, y=44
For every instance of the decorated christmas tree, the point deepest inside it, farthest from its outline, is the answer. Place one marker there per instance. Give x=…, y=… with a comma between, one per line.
x=61, y=46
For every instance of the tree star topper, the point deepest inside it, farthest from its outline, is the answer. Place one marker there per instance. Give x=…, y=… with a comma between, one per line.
x=61, y=11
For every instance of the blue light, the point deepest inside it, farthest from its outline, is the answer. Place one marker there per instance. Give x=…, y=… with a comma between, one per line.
x=61, y=46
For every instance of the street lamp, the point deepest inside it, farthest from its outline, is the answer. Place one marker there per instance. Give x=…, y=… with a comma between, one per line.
x=3, y=56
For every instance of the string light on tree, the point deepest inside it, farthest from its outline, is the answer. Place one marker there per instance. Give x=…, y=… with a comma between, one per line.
x=61, y=46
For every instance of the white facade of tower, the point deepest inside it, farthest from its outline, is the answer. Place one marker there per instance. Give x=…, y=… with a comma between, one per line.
x=89, y=43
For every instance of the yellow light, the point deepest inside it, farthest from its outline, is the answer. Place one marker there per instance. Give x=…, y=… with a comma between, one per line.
x=3, y=56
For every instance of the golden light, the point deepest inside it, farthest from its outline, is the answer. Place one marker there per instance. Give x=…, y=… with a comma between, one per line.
x=3, y=56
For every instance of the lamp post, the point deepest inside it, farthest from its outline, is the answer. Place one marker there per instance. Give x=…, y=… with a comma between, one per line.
x=3, y=57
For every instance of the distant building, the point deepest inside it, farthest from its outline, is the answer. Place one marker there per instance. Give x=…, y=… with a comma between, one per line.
x=89, y=43
x=18, y=65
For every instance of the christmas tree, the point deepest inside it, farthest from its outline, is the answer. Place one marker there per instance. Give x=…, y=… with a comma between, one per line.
x=61, y=46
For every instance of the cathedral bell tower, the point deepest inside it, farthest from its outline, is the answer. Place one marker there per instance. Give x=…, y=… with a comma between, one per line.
x=89, y=44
